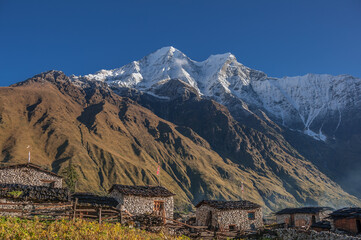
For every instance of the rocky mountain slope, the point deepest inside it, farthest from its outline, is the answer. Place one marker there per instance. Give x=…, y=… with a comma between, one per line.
x=315, y=103
x=301, y=109
x=203, y=150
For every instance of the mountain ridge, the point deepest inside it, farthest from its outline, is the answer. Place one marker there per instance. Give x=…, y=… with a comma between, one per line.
x=221, y=77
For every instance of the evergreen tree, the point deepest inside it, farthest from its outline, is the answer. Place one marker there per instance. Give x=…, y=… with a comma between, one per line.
x=70, y=176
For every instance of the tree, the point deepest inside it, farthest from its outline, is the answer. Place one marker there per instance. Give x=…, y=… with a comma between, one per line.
x=71, y=176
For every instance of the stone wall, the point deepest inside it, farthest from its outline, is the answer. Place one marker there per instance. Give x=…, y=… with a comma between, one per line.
x=240, y=219
x=20, y=209
x=202, y=214
x=137, y=205
x=222, y=219
x=301, y=219
x=28, y=176
x=284, y=218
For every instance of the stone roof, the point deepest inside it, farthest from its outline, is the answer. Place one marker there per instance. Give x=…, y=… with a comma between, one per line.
x=346, y=213
x=144, y=191
x=18, y=192
x=94, y=200
x=310, y=210
x=30, y=165
x=227, y=205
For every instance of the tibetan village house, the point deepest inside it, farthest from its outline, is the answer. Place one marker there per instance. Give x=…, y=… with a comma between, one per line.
x=347, y=219
x=29, y=174
x=138, y=200
x=302, y=217
x=229, y=215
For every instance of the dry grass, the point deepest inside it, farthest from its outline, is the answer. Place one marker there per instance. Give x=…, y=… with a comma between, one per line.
x=16, y=228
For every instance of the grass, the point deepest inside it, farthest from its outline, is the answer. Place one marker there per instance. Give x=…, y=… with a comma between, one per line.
x=16, y=228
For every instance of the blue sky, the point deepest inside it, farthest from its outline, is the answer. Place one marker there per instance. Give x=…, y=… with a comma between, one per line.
x=281, y=38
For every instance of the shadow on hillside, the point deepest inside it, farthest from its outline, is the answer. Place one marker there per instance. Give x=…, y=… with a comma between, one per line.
x=87, y=117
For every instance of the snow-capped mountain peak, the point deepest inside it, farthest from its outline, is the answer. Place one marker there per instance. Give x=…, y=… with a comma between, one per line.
x=302, y=102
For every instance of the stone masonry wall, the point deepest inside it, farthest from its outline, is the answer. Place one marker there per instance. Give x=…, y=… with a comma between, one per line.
x=222, y=219
x=28, y=176
x=139, y=205
x=202, y=213
x=284, y=218
x=117, y=195
x=240, y=219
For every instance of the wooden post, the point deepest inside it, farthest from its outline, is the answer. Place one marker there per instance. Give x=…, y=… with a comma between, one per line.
x=74, y=208
x=100, y=215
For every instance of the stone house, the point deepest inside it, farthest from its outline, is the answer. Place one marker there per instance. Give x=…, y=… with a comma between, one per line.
x=347, y=219
x=302, y=217
x=138, y=200
x=229, y=215
x=29, y=174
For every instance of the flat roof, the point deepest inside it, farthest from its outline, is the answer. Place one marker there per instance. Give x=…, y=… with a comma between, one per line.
x=227, y=205
x=145, y=191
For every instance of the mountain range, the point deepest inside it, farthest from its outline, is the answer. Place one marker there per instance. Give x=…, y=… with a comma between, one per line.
x=211, y=126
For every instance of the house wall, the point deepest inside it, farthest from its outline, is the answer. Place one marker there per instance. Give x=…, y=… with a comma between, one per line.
x=222, y=219
x=140, y=205
x=284, y=218
x=28, y=176
x=239, y=218
x=301, y=219
x=346, y=224
x=202, y=213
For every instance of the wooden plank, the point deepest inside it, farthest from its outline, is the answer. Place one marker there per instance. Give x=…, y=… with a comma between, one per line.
x=53, y=206
x=90, y=216
x=86, y=210
x=31, y=203
x=109, y=211
x=100, y=215
x=13, y=210
x=110, y=217
x=74, y=208
x=126, y=211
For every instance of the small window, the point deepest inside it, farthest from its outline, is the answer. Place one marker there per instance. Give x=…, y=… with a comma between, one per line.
x=251, y=216
x=232, y=227
x=48, y=183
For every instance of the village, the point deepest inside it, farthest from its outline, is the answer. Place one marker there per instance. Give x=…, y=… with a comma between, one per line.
x=28, y=191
